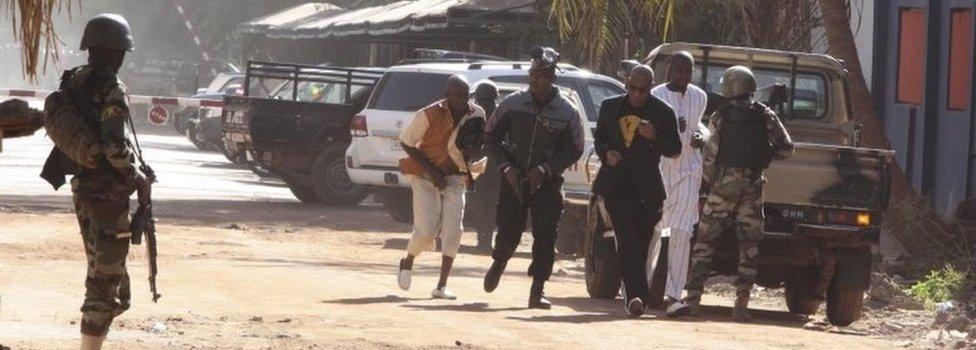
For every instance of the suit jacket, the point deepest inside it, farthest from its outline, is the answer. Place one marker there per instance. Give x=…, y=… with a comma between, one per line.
x=639, y=166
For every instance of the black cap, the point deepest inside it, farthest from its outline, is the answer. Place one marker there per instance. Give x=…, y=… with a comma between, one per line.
x=544, y=58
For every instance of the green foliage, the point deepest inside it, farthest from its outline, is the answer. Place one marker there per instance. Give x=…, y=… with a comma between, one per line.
x=940, y=285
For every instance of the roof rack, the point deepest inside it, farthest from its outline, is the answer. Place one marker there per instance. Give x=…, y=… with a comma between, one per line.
x=516, y=65
x=449, y=54
x=437, y=60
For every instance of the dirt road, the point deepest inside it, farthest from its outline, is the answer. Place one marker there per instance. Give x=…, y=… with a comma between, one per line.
x=244, y=266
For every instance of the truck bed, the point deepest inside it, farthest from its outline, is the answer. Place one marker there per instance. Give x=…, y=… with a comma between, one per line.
x=831, y=176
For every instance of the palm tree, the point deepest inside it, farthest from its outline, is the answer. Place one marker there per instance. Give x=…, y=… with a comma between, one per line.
x=840, y=41
x=595, y=29
x=601, y=32
x=33, y=26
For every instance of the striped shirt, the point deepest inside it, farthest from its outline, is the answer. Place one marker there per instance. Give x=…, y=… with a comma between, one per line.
x=688, y=108
x=682, y=174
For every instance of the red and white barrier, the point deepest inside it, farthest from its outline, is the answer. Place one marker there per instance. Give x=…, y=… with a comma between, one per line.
x=152, y=101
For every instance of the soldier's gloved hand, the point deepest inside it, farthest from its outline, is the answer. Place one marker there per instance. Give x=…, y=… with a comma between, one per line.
x=697, y=140
x=143, y=189
x=536, y=177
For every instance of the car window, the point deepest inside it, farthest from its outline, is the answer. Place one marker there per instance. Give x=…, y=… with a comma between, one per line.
x=408, y=91
x=811, y=89
x=600, y=91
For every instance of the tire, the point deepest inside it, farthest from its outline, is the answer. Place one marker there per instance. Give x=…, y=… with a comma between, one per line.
x=600, y=263
x=571, y=230
x=401, y=212
x=398, y=204
x=659, y=278
x=798, y=290
x=843, y=304
x=184, y=120
x=331, y=182
x=304, y=194
x=236, y=158
x=256, y=166
x=191, y=134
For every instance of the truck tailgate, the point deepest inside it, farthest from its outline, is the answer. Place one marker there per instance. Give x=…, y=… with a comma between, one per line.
x=268, y=121
x=831, y=176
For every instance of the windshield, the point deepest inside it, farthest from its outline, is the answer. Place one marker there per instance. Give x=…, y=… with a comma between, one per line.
x=408, y=91
x=811, y=89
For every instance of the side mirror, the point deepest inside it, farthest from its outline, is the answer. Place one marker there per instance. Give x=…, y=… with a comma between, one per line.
x=624, y=68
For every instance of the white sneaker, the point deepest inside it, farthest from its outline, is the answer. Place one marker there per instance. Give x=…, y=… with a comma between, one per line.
x=679, y=308
x=442, y=293
x=404, y=277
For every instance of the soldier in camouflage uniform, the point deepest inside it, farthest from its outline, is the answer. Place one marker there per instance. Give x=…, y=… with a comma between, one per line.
x=746, y=136
x=101, y=195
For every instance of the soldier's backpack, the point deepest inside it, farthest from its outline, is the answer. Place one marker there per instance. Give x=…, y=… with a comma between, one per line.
x=72, y=131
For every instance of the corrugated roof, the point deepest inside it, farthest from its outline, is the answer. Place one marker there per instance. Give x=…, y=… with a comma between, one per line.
x=397, y=17
x=290, y=16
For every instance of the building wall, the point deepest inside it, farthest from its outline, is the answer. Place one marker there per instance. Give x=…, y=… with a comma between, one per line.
x=862, y=25
x=923, y=72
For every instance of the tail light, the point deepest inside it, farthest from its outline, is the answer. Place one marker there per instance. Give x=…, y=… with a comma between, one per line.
x=848, y=218
x=357, y=127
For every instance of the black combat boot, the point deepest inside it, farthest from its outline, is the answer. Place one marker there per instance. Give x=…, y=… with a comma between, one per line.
x=740, y=313
x=494, y=275
x=537, y=298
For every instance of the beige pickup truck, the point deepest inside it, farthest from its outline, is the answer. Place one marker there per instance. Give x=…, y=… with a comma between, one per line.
x=823, y=205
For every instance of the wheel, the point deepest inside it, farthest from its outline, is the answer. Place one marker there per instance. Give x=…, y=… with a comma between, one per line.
x=843, y=304
x=398, y=204
x=602, y=275
x=798, y=290
x=659, y=278
x=257, y=167
x=303, y=193
x=191, y=134
x=179, y=121
x=331, y=182
x=234, y=157
x=571, y=230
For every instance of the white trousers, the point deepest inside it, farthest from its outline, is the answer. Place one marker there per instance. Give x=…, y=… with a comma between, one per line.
x=679, y=255
x=437, y=213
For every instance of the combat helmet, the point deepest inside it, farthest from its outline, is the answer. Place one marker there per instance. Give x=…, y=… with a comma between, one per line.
x=108, y=31
x=738, y=82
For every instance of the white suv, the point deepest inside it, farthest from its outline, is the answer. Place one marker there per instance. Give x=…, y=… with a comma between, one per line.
x=374, y=152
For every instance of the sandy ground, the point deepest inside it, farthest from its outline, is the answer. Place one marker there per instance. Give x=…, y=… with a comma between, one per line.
x=245, y=266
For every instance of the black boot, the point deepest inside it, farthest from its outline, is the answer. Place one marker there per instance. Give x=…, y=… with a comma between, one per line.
x=494, y=275
x=537, y=298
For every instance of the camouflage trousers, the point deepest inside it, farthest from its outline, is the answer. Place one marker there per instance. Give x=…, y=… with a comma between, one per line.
x=104, y=227
x=735, y=201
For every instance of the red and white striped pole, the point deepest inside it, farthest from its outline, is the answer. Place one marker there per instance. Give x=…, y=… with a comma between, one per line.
x=195, y=35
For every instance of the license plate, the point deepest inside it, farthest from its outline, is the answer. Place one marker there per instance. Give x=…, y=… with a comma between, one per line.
x=799, y=215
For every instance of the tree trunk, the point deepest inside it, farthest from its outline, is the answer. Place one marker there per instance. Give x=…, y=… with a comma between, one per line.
x=841, y=45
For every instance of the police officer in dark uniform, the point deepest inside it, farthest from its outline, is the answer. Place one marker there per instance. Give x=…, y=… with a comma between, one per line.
x=535, y=135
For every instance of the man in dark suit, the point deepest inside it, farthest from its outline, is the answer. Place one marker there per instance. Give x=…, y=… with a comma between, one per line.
x=633, y=132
